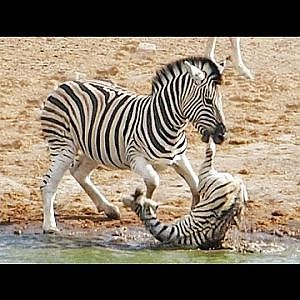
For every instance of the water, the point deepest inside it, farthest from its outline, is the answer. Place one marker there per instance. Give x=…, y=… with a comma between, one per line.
x=135, y=246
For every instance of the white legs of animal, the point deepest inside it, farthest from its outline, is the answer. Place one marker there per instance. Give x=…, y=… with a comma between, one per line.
x=59, y=165
x=236, y=55
x=143, y=168
x=223, y=198
x=237, y=59
x=210, y=48
x=81, y=171
x=182, y=167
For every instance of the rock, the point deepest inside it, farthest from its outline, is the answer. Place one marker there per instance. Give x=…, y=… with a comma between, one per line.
x=244, y=172
x=146, y=50
x=278, y=233
x=237, y=141
x=111, y=71
x=146, y=47
x=277, y=213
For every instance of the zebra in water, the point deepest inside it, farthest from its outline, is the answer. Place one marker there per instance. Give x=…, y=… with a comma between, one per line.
x=222, y=201
x=88, y=123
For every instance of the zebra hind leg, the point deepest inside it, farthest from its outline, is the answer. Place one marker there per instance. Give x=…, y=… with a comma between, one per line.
x=81, y=170
x=60, y=163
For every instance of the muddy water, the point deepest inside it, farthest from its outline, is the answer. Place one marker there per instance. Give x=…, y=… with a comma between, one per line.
x=136, y=246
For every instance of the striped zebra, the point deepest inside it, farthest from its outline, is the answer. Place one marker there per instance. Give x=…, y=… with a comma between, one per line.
x=88, y=123
x=223, y=198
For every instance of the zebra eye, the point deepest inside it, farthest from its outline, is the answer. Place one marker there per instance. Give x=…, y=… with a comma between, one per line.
x=209, y=101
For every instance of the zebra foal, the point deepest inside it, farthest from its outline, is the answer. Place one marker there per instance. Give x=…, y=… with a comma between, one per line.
x=223, y=198
x=89, y=123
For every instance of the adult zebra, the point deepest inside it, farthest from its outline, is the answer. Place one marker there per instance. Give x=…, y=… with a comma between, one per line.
x=90, y=123
x=223, y=199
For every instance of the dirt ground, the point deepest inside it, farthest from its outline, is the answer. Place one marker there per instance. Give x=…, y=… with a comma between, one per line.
x=262, y=115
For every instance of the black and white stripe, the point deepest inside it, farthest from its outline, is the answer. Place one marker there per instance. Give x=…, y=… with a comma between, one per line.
x=107, y=122
x=223, y=198
x=111, y=126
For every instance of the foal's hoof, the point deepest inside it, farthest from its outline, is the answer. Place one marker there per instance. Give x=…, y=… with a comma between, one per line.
x=113, y=213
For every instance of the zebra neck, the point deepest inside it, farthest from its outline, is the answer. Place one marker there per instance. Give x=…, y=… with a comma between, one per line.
x=166, y=114
x=208, y=164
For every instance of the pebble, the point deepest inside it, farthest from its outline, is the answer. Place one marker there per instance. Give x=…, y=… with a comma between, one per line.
x=277, y=213
x=146, y=50
x=148, y=47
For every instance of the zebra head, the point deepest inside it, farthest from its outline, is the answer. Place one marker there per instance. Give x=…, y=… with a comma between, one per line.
x=202, y=102
x=145, y=208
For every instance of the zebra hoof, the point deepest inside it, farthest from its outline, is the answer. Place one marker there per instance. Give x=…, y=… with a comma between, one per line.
x=113, y=213
x=51, y=231
x=245, y=72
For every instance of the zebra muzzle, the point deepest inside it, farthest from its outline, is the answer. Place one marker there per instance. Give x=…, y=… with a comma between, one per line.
x=219, y=134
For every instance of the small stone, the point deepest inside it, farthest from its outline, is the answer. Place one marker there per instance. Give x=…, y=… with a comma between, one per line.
x=244, y=172
x=147, y=47
x=278, y=233
x=111, y=71
x=277, y=213
x=146, y=50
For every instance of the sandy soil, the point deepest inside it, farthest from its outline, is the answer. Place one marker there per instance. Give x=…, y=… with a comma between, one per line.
x=263, y=145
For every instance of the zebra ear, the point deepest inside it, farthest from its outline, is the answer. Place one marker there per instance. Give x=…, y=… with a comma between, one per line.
x=197, y=74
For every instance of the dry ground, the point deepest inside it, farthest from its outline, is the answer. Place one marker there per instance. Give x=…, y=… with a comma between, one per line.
x=262, y=117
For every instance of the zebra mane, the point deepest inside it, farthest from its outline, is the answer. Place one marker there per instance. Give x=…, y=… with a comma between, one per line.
x=177, y=66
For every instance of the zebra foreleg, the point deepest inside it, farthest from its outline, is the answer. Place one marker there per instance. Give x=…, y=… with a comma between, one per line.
x=184, y=168
x=60, y=164
x=143, y=168
x=81, y=171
